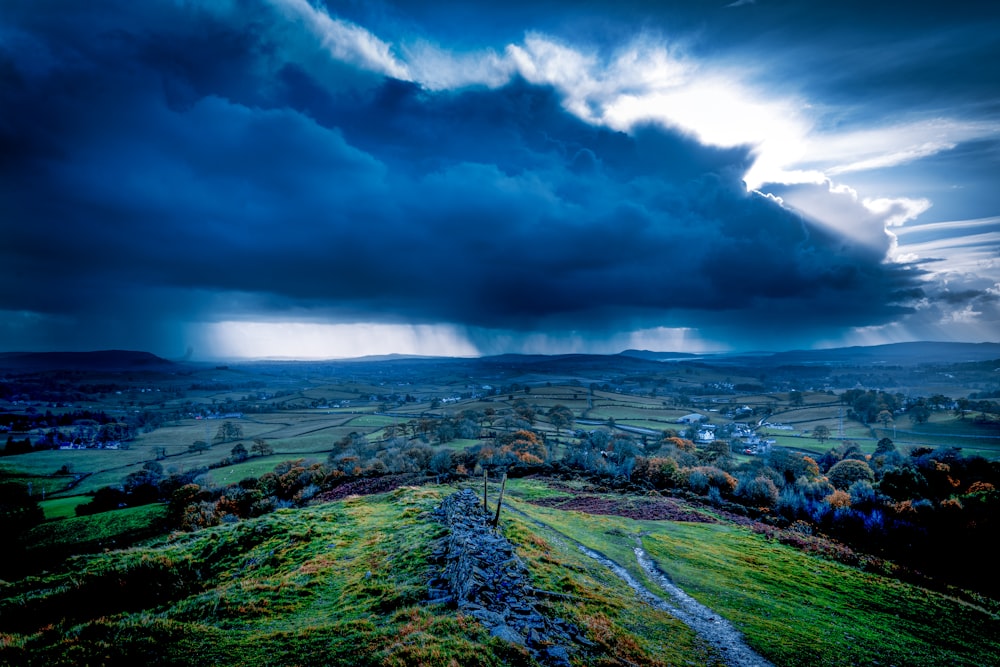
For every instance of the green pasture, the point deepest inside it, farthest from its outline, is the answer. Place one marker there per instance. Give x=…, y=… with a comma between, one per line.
x=604, y=411
x=62, y=508
x=82, y=461
x=372, y=421
x=79, y=534
x=805, y=442
x=798, y=609
x=461, y=444
x=338, y=583
x=655, y=425
x=290, y=426
x=39, y=483
x=794, y=608
x=334, y=393
x=807, y=416
x=255, y=466
x=986, y=447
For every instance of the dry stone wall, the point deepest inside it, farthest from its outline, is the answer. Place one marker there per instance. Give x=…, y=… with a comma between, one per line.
x=485, y=579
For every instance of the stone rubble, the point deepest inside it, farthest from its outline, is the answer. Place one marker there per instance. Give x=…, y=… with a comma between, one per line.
x=483, y=577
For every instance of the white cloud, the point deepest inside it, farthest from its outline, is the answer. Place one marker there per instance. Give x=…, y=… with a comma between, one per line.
x=892, y=144
x=344, y=40
x=838, y=207
x=896, y=211
x=651, y=79
x=439, y=69
x=908, y=154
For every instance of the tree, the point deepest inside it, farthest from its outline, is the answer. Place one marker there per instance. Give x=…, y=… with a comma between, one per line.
x=795, y=398
x=239, y=452
x=441, y=462
x=524, y=411
x=115, y=432
x=920, y=413
x=903, y=483
x=938, y=400
x=717, y=453
x=228, y=432
x=19, y=510
x=261, y=448
x=199, y=446
x=561, y=417
x=885, y=446
x=849, y=471
x=821, y=433
x=525, y=446
x=885, y=418
x=759, y=491
x=792, y=465
x=445, y=431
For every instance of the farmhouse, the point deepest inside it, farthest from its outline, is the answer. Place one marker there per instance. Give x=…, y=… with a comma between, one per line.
x=706, y=434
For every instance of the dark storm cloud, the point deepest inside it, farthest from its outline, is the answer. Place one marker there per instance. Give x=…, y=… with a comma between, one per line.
x=166, y=165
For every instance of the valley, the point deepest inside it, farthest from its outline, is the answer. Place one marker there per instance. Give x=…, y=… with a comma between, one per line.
x=835, y=512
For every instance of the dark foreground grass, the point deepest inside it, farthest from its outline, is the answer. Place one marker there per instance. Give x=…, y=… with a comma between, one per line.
x=337, y=584
x=50, y=542
x=342, y=583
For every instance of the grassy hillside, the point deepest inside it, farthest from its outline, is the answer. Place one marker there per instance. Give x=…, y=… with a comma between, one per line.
x=794, y=608
x=344, y=583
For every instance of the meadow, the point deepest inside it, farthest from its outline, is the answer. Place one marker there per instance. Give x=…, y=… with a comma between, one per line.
x=310, y=584
x=345, y=582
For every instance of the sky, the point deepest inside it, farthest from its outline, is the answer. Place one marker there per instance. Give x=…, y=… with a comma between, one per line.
x=305, y=179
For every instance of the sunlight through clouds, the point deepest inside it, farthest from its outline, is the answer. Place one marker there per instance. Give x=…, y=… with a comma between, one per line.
x=310, y=340
x=649, y=80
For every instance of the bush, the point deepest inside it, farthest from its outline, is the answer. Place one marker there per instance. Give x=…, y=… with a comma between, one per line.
x=903, y=483
x=659, y=472
x=759, y=492
x=700, y=478
x=863, y=496
x=849, y=471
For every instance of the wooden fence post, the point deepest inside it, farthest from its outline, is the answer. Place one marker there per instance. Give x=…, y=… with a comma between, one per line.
x=486, y=509
x=503, y=484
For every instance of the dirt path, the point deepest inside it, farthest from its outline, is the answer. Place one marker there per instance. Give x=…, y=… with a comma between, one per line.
x=712, y=628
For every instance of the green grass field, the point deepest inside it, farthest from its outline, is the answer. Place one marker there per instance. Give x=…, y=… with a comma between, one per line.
x=340, y=583
x=106, y=530
x=794, y=608
x=343, y=583
x=62, y=508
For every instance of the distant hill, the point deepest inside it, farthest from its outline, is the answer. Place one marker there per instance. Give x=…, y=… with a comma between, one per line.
x=111, y=360
x=898, y=354
x=657, y=356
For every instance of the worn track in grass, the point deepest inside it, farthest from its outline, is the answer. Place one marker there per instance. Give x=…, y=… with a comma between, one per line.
x=712, y=628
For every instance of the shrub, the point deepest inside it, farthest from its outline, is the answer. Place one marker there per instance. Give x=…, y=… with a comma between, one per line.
x=660, y=472
x=759, y=492
x=838, y=499
x=903, y=483
x=697, y=481
x=849, y=471
x=701, y=477
x=863, y=496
